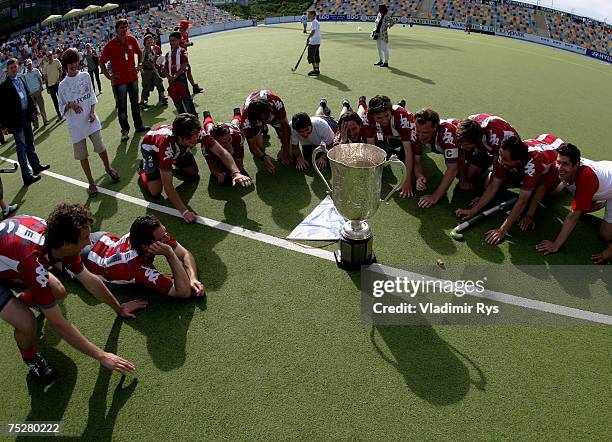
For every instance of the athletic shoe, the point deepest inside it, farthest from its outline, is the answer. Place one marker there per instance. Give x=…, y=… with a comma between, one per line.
x=362, y=99
x=31, y=180
x=40, y=368
x=125, y=135
x=237, y=111
x=312, y=74
x=41, y=169
x=345, y=103
x=113, y=174
x=402, y=103
x=379, y=63
x=9, y=209
x=206, y=114
x=143, y=129
x=384, y=65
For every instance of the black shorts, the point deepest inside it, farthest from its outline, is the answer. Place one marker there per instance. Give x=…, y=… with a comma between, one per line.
x=394, y=146
x=313, y=54
x=151, y=167
x=5, y=295
x=333, y=124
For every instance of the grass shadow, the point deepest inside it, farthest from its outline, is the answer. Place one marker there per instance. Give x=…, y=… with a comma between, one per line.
x=100, y=421
x=333, y=82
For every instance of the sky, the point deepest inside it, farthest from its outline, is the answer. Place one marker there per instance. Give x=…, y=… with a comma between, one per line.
x=597, y=9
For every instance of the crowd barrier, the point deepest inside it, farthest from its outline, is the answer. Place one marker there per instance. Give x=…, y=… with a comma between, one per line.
x=216, y=27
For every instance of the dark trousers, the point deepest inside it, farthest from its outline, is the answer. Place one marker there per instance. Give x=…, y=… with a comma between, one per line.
x=53, y=91
x=186, y=105
x=122, y=91
x=95, y=73
x=26, y=152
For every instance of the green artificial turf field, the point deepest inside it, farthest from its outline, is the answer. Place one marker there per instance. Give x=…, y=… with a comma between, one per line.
x=279, y=350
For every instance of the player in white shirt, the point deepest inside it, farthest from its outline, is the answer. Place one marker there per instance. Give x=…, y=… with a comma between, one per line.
x=314, y=42
x=591, y=184
x=310, y=132
x=77, y=102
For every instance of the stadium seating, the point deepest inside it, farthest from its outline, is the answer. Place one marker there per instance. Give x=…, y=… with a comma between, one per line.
x=509, y=17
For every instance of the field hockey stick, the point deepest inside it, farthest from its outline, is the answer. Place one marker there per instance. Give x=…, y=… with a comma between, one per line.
x=7, y=170
x=300, y=59
x=456, y=232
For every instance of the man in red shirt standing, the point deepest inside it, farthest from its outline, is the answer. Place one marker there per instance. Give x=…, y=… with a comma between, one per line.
x=184, y=26
x=120, y=51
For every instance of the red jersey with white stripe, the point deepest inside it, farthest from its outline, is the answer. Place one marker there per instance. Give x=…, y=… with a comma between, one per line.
x=494, y=130
x=541, y=161
x=160, y=149
x=114, y=260
x=593, y=183
x=174, y=60
x=24, y=257
x=444, y=141
x=184, y=38
x=252, y=128
x=401, y=125
x=237, y=144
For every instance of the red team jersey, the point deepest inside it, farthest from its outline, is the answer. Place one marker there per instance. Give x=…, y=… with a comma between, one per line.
x=174, y=60
x=445, y=141
x=159, y=149
x=593, y=183
x=279, y=113
x=23, y=257
x=401, y=125
x=541, y=162
x=237, y=149
x=114, y=260
x=494, y=131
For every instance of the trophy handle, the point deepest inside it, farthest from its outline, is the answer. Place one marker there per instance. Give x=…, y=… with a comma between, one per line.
x=394, y=159
x=321, y=149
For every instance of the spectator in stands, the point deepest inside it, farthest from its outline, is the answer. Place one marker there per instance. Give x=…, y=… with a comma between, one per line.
x=314, y=43
x=34, y=81
x=16, y=115
x=150, y=75
x=77, y=102
x=380, y=33
x=91, y=62
x=120, y=51
x=52, y=74
x=176, y=66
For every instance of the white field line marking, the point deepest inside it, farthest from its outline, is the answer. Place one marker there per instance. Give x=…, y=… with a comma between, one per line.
x=326, y=254
x=511, y=299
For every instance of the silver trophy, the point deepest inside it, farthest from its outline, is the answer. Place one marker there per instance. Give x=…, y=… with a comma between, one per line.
x=357, y=170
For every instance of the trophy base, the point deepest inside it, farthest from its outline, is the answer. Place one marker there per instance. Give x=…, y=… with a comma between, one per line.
x=354, y=253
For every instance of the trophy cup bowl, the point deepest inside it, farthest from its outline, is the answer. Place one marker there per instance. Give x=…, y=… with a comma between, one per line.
x=356, y=183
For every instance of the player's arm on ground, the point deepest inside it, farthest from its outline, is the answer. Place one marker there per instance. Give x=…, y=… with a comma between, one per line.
x=406, y=188
x=189, y=264
x=180, y=287
x=603, y=257
x=73, y=336
x=483, y=201
x=256, y=147
x=96, y=287
x=526, y=221
x=284, y=133
x=228, y=161
x=447, y=180
x=548, y=247
x=167, y=179
x=496, y=235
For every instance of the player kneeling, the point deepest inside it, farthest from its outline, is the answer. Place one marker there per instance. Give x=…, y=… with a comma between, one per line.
x=393, y=126
x=130, y=259
x=224, y=150
x=480, y=137
x=441, y=137
x=526, y=164
x=261, y=108
x=28, y=247
x=591, y=184
x=310, y=132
